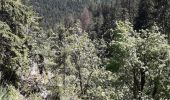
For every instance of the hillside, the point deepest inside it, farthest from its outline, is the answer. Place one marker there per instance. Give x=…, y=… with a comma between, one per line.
x=84, y=49
x=56, y=11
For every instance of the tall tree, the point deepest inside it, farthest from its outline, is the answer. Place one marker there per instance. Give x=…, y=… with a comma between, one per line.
x=18, y=25
x=142, y=58
x=77, y=66
x=162, y=16
x=146, y=15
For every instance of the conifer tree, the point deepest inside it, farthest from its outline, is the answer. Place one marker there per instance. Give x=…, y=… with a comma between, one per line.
x=146, y=15
x=17, y=26
x=77, y=65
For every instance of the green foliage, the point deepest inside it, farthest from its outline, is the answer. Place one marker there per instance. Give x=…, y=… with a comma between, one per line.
x=13, y=53
x=151, y=12
x=78, y=66
x=60, y=11
x=13, y=94
x=146, y=14
x=154, y=55
x=17, y=26
x=97, y=58
x=9, y=93
x=142, y=58
x=121, y=46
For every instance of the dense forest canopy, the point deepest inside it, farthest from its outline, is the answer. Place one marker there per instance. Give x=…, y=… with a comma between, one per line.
x=84, y=49
x=58, y=11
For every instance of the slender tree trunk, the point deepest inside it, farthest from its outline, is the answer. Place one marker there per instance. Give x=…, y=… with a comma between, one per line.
x=155, y=89
x=64, y=76
x=77, y=62
x=80, y=78
x=142, y=80
x=129, y=10
x=135, y=84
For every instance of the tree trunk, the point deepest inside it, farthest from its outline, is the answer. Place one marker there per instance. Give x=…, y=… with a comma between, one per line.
x=135, y=84
x=64, y=76
x=77, y=62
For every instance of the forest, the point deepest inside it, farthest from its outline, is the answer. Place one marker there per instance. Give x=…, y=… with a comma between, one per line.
x=84, y=49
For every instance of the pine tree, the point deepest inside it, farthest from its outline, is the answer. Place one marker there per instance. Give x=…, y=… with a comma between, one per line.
x=14, y=51
x=162, y=16
x=146, y=15
x=17, y=26
x=77, y=65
